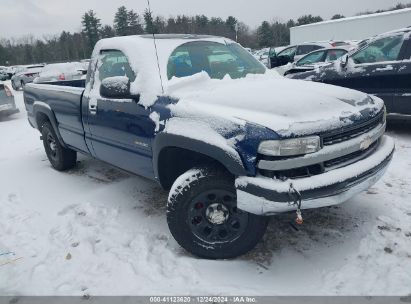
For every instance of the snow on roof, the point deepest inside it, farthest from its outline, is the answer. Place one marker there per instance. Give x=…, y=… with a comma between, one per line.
x=401, y=11
x=141, y=53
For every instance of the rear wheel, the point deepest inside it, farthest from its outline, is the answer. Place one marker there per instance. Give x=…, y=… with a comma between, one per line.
x=61, y=158
x=204, y=219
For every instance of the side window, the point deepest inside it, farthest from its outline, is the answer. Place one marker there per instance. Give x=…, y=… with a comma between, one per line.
x=333, y=55
x=179, y=64
x=385, y=49
x=312, y=58
x=114, y=63
x=288, y=52
x=307, y=48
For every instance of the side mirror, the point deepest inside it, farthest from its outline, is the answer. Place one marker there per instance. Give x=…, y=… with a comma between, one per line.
x=344, y=61
x=117, y=87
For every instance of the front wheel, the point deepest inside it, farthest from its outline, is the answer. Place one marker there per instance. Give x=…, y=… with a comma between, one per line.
x=203, y=217
x=61, y=158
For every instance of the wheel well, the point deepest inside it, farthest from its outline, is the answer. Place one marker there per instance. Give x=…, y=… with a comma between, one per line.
x=41, y=118
x=173, y=162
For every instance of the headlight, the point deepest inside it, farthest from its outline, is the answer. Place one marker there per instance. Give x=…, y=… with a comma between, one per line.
x=290, y=147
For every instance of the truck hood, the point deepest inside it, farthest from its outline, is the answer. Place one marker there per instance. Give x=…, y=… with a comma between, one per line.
x=288, y=107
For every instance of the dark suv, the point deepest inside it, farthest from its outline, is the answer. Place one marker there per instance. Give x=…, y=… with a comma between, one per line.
x=382, y=67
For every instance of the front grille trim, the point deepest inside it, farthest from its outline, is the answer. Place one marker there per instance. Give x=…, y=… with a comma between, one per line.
x=338, y=136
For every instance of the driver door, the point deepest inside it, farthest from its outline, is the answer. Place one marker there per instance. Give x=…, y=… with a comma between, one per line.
x=118, y=130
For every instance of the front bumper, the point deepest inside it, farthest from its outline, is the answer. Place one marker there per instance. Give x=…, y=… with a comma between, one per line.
x=266, y=196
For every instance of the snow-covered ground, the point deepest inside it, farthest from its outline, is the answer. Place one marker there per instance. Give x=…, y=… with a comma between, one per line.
x=97, y=230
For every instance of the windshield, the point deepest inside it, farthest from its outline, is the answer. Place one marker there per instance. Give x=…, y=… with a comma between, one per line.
x=216, y=59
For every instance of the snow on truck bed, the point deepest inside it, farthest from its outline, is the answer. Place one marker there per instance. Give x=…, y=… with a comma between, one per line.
x=96, y=230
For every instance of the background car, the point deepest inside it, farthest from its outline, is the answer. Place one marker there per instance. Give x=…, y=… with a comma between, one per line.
x=11, y=70
x=7, y=104
x=262, y=55
x=3, y=73
x=25, y=75
x=316, y=59
x=294, y=53
x=62, y=72
x=381, y=67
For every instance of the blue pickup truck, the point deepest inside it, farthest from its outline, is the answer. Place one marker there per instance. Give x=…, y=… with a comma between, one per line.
x=231, y=140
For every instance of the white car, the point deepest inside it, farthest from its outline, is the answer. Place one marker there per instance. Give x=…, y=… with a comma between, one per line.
x=24, y=75
x=313, y=60
x=62, y=72
x=294, y=53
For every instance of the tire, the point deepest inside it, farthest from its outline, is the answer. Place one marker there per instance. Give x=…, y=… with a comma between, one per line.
x=203, y=218
x=61, y=158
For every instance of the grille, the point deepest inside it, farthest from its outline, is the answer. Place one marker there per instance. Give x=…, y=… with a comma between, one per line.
x=323, y=167
x=350, y=158
x=352, y=132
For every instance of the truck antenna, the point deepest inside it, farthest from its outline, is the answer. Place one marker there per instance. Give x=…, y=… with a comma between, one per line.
x=155, y=46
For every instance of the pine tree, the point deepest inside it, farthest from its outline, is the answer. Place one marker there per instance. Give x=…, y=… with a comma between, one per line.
x=231, y=24
x=107, y=32
x=91, y=29
x=337, y=16
x=121, y=21
x=265, y=35
x=148, y=20
x=308, y=19
x=134, y=23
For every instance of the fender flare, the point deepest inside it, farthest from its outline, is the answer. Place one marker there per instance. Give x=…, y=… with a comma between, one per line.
x=167, y=140
x=40, y=107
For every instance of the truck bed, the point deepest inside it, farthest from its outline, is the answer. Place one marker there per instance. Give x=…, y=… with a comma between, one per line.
x=66, y=102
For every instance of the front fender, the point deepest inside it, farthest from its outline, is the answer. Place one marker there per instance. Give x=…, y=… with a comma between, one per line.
x=232, y=162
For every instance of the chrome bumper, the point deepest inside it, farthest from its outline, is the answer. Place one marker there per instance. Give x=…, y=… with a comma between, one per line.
x=265, y=196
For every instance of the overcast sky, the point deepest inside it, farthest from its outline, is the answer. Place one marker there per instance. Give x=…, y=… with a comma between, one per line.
x=46, y=17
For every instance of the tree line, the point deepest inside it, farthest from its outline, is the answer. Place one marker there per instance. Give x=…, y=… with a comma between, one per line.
x=76, y=46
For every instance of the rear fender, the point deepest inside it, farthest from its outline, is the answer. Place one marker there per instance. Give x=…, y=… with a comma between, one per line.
x=39, y=110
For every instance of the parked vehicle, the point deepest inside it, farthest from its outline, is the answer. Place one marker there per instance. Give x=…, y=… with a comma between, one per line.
x=382, y=68
x=202, y=120
x=11, y=70
x=61, y=72
x=7, y=103
x=262, y=55
x=316, y=59
x=25, y=75
x=3, y=74
x=294, y=53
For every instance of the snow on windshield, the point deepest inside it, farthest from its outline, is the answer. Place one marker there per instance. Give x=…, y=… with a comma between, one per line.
x=216, y=59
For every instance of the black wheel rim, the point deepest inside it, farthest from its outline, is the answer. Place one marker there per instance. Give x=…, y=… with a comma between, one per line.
x=51, y=143
x=214, y=218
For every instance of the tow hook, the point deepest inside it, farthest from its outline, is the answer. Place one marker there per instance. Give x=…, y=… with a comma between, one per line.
x=295, y=196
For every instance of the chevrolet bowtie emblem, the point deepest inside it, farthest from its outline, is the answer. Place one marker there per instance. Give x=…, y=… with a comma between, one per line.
x=366, y=143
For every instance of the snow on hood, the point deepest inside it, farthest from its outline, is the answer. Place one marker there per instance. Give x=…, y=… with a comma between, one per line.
x=280, y=104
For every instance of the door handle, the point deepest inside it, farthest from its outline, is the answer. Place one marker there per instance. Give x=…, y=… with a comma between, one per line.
x=92, y=107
